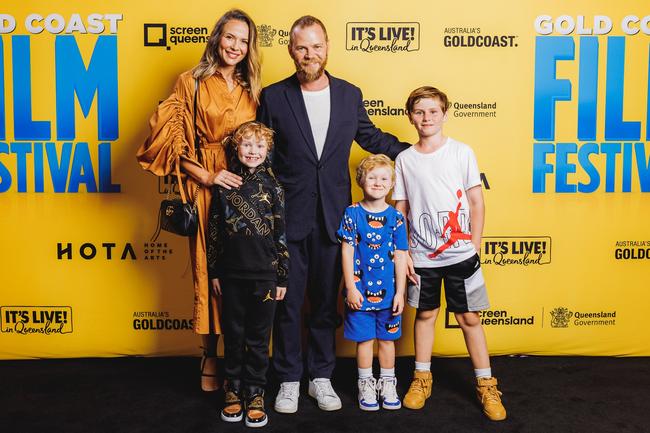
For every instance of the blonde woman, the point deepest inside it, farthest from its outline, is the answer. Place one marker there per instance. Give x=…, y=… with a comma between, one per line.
x=229, y=85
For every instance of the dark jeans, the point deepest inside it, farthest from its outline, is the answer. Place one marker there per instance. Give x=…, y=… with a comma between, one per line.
x=248, y=308
x=314, y=267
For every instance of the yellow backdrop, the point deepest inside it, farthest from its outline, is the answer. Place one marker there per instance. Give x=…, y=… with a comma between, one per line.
x=552, y=97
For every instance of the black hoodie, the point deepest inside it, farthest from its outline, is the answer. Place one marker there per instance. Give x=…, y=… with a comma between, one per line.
x=246, y=234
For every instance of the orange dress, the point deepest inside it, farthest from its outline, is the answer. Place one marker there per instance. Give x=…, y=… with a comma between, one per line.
x=219, y=112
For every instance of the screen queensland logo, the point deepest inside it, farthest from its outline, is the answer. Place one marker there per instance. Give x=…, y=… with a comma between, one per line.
x=43, y=153
x=502, y=318
x=169, y=35
x=383, y=37
x=590, y=147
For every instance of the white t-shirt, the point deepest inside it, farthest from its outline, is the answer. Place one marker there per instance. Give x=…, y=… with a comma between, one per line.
x=435, y=185
x=318, y=111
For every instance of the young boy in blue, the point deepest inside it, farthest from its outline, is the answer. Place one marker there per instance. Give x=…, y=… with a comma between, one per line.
x=374, y=247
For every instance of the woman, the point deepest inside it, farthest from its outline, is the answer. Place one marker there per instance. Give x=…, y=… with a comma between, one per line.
x=228, y=95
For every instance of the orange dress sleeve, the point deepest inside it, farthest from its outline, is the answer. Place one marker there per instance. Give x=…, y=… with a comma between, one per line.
x=172, y=130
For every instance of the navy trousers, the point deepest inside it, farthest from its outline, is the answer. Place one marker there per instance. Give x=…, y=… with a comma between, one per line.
x=314, y=268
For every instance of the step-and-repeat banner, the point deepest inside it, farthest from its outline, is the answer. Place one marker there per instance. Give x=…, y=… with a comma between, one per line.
x=553, y=98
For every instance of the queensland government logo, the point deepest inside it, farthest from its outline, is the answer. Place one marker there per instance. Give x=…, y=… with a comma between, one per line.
x=43, y=320
x=478, y=109
x=493, y=318
x=267, y=35
x=383, y=37
x=166, y=35
x=561, y=317
x=516, y=250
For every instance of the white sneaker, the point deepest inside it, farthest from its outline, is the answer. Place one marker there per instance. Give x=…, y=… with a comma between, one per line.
x=387, y=388
x=321, y=389
x=368, y=394
x=287, y=398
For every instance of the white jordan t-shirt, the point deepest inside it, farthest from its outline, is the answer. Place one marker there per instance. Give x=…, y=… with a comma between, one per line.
x=435, y=185
x=318, y=111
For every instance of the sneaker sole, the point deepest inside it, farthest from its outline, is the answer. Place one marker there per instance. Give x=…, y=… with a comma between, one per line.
x=396, y=406
x=283, y=410
x=232, y=418
x=329, y=408
x=257, y=424
x=368, y=408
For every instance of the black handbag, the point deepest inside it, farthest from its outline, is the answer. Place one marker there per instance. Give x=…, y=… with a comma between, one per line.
x=177, y=215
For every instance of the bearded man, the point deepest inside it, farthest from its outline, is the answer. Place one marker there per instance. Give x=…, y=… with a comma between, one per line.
x=315, y=117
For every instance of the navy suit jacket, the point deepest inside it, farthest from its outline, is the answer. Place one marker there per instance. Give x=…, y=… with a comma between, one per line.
x=308, y=180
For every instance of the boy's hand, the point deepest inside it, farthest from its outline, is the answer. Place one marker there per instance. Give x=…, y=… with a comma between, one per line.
x=410, y=269
x=477, y=247
x=216, y=286
x=398, y=303
x=280, y=292
x=354, y=299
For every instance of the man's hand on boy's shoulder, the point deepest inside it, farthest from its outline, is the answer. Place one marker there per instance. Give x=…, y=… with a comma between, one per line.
x=280, y=292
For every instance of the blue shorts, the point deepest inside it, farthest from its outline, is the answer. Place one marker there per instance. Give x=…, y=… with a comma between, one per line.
x=367, y=325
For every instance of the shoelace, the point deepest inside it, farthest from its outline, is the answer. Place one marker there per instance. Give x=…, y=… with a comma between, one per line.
x=491, y=394
x=417, y=385
x=387, y=386
x=288, y=391
x=324, y=388
x=366, y=389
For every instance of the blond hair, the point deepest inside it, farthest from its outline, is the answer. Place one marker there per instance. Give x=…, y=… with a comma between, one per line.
x=427, y=92
x=246, y=129
x=306, y=21
x=248, y=72
x=371, y=162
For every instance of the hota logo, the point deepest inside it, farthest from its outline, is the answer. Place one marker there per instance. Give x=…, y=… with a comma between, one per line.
x=156, y=35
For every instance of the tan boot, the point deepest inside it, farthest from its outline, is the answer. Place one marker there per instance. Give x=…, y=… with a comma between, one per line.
x=419, y=390
x=490, y=398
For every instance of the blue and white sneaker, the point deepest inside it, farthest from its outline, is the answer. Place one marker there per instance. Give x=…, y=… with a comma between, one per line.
x=387, y=388
x=368, y=394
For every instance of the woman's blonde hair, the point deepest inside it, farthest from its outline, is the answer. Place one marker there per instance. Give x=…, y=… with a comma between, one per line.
x=370, y=163
x=248, y=72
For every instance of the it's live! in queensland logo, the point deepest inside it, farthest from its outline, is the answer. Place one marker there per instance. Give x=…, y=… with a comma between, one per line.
x=580, y=162
x=385, y=37
x=27, y=320
x=35, y=155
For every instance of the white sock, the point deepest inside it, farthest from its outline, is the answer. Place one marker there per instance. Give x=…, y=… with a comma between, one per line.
x=422, y=366
x=387, y=372
x=365, y=373
x=483, y=372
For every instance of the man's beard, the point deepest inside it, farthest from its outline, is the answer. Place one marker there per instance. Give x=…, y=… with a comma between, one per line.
x=308, y=77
